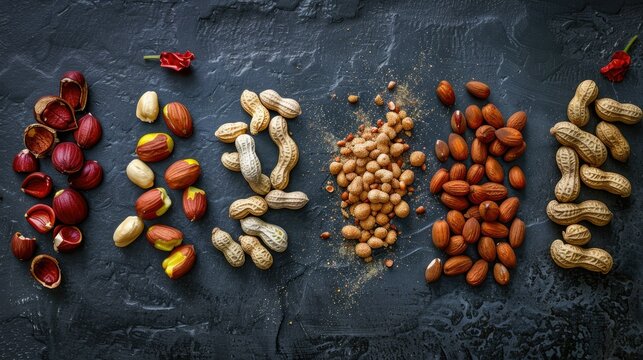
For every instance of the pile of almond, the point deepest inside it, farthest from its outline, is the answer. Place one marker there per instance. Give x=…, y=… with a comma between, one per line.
x=481, y=212
x=371, y=167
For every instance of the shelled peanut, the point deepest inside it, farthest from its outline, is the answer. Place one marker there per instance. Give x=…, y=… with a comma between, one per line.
x=371, y=167
x=481, y=211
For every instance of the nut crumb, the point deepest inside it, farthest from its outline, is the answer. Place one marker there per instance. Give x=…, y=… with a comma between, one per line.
x=389, y=263
x=378, y=100
x=420, y=210
x=325, y=235
x=391, y=85
x=353, y=99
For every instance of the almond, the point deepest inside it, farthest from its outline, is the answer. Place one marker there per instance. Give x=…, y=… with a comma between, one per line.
x=475, y=174
x=457, y=265
x=501, y=274
x=471, y=231
x=517, y=120
x=439, y=178
x=515, y=152
x=477, y=194
x=496, y=148
x=516, y=233
x=445, y=93
x=441, y=151
x=486, y=134
x=508, y=209
x=458, y=171
x=456, y=245
x=478, y=151
x=473, y=115
x=493, y=116
x=440, y=234
x=433, y=271
x=494, y=170
x=509, y=136
x=458, y=122
x=456, y=221
x=517, y=178
x=494, y=191
x=489, y=210
x=487, y=249
x=506, y=254
x=478, y=273
x=454, y=202
x=494, y=230
x=456, y=187
x=473, y=212
x=458, y=147
x=478, y=89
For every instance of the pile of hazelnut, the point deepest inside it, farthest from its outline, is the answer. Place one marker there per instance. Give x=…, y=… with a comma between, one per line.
x=371, y=167
x=153, y=203
x=56, y=115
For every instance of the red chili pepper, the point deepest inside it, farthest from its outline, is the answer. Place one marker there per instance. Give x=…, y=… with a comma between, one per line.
x=173, y=60
x=617, y=67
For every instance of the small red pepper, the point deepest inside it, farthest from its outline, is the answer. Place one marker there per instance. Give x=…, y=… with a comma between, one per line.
x=173, y=60
x=617, y=67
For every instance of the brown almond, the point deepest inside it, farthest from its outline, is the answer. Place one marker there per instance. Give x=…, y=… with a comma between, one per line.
x=477, y=194
x=440, y=234
x=439, y=178
x=509, y=136
x=456, y=221
x=454, y=202
x=478, y=151
x=475, y=174
x=506, y=255
x=494, y=230
x=496, y=148
x=489, y=211
x=501, y=274
x=433, y=271
x=494, y=170
x=494, y=191
x=456, y=246
x=456, y=187
x=445, y=93
x=478, y=89
x=515, y=152
x=458, y=122
x=457, y=265
x=517, y=233
x=508, y=209
x=471, y=231
x=458, y=171
x=493, y=116
x=473, y=212
x=487, y=249
x=517, y=120
x=517, y=178
x=486, y=134
x=473, y=115
x=458, y=147
x=441, y=151
x=478, y=273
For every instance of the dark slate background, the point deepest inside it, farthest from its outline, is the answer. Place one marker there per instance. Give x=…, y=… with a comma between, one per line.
x=318, y=299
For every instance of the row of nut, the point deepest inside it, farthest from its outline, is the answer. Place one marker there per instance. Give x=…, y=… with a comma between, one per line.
x=376, y=179
x=56, y=115
x=246, y=161
x=481, y=212
x=153, y=203
x=592, y=149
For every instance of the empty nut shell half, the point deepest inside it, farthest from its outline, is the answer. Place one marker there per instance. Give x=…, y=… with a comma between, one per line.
x=41, y=217
x=55, y=113
x=40, y=139
x=45, y=270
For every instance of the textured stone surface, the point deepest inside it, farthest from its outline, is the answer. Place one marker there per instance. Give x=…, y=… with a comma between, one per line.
x=317, y=299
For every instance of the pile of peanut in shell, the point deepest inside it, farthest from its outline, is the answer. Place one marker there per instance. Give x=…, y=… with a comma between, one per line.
x=269, y=189
x=372, y=168
x=577, y=145
x=482, y=213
